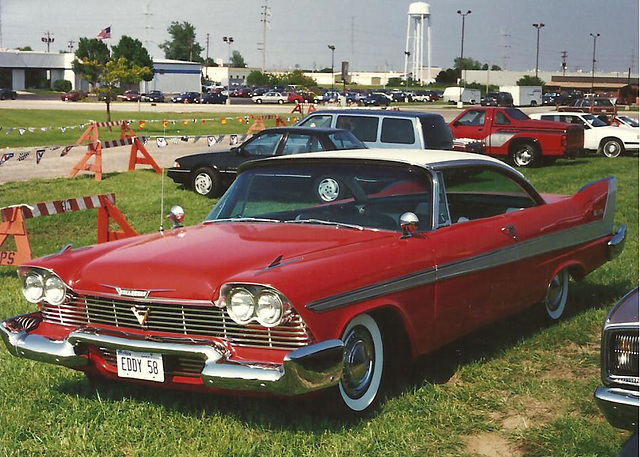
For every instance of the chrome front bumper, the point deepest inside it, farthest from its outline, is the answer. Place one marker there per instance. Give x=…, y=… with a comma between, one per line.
x=619, y=406
x=303, y=370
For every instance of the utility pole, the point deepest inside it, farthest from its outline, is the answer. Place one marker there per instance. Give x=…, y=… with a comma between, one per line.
x=503, y=47
x=206, y=62
x=538, y=27
x=0, y=24
x=266, y=12
x=593, y=63
x=70, y=45
x=48, y=39
x=464, y=15
x=563, y=54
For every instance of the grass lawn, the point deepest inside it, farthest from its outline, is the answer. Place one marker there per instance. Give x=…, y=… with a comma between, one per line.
x=52, y=120
x=519, y=387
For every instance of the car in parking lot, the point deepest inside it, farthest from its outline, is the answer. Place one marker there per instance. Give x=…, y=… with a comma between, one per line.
x=376, y=99
x=6, y=94
x=155, y=96
x=186, y=97
x=316, y=271
x=130, y=96
x=625, y=121
x=213, y=98
x=599, y=137
x=271, y=97
x=72, y=96
x=497, y=99
x=618, y=397
x=210, y=173
x=592, y=105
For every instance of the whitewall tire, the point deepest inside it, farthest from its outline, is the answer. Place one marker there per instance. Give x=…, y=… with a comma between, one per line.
x=557, y=293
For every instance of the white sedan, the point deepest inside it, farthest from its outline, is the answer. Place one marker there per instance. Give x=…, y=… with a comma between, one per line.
x=271, y=97
x=598, y=135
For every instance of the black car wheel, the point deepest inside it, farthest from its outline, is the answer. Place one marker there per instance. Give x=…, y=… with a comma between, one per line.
x=280, y=102
x=206, y=182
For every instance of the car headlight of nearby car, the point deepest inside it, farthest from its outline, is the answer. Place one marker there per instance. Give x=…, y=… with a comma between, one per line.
x=249, y=302
x=38, y=285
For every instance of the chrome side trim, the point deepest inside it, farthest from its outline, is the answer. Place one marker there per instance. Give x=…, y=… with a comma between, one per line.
x=518, y=251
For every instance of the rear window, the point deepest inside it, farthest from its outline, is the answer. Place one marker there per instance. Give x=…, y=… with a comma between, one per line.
x=399, y=131
x=317, y=121
x=437, y=134
x=344, y=140
x=516, y=114
x=365, y=128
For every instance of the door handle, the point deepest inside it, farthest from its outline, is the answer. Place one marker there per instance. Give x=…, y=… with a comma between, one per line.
x=510, y=230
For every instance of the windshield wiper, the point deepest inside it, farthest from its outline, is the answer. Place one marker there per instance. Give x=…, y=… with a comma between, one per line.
x=241, y=219
x=323, y=222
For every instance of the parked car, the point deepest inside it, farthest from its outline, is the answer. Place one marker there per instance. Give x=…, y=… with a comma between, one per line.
x=210, y=173
x=422, y=96
x=8, y=93
x=593, y=106
x=72, y=96
x=155, y=96
x=320, y=270
x=386, y=128
x=243, y=92
x=626, y=121
x=599, y=137
x=618, y=397
x=376, y=99
x=186, y=97
x=271, y=97
x=213, y=98
x=130, y=96
x=497, y=99
x=553, y=99
x=398, y=95
x=510, y=134
x=293, y=97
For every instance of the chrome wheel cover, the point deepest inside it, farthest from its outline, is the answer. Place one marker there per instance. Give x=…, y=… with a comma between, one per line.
x=359, y=362
x=523, y=157
x=557, y=292
x=612, y=149
x=328, y=189
x=203, y=183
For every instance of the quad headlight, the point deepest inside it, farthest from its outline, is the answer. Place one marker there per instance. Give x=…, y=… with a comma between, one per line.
x=40, y=285
x=247, y=302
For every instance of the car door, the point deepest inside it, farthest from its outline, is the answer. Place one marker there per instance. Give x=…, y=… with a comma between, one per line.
x=471, y=125
x=297, y=143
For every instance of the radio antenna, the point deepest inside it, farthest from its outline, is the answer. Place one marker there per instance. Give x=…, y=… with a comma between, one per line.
x=162, y=201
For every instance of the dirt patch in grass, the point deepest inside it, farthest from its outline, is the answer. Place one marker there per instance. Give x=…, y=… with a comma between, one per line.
x=491, y=444
x=526, y=411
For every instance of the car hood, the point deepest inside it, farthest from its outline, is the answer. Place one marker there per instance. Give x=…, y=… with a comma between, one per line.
x=192, y=263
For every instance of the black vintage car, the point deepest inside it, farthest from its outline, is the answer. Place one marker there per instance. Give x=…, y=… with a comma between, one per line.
x=210, y=173
x=155, y=96
x=186, y=97
x=214, y=98
x=8, y=93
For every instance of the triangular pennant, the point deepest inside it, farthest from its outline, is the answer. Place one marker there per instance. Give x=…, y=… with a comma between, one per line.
x=66, y=150
x=21, y=131
x=39, y=155
x=23, y=156
x=211, y=140
x=161, y=142
x=5, y=157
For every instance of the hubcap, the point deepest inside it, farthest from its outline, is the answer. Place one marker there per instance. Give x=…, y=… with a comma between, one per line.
x=328, y=189
x=554, y=293
x=359, y=359
x=524, y=157
x=612, y=149
x=203, y=184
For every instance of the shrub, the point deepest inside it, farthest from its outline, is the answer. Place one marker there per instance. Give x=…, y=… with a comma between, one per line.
x=62, y=85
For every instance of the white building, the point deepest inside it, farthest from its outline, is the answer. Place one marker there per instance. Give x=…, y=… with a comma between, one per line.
x=174, y=76
x=22, y=70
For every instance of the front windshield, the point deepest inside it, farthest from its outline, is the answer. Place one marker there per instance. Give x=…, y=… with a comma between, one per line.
x=594, y=121
x=351, y=194
x=629, y=120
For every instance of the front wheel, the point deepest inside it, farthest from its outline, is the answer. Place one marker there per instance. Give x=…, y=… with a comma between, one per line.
x=280, y=102
x=205, y=182
x=524, y=155
x=259, y=101
x=612, y=148
x=557, y=293
x=363, y=363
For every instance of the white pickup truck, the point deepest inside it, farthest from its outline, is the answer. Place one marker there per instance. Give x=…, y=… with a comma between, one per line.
x=612, y=141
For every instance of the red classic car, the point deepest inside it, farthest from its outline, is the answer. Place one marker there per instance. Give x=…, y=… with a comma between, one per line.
x=315, y=271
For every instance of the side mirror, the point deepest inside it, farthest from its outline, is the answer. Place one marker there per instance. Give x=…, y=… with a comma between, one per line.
x=236, y=150
x=409, y=224
x=176, y=216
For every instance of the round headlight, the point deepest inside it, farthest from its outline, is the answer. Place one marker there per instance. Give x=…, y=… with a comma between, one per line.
x=269, y=309
x=240, y=305
x=54, y=290
x=33, y=287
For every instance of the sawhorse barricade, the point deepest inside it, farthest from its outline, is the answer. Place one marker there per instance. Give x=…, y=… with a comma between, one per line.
x=12, y=223
x=258, y=124
x=95, y=146
x=299, y=108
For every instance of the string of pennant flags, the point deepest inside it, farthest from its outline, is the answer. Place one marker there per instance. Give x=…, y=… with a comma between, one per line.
x=161, y=142
x=142, y=124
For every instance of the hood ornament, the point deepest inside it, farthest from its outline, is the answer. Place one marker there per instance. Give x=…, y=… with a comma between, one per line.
x=141, y=313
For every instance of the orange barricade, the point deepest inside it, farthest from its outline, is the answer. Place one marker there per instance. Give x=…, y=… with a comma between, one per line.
x=95, y=147
x=299, y=108
x=12, y=223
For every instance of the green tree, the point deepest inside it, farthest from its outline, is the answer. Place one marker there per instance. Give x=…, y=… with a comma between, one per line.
x=115, y=73
x=183, y=44
x=530, y=81
x=237, y=61
x=257, y=78
x=91, y=56
x=447, y=76
x=25, y=48
x=466, y=63
x=133, y=51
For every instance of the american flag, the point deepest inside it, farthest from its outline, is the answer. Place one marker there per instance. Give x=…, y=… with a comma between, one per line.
x=104, y=33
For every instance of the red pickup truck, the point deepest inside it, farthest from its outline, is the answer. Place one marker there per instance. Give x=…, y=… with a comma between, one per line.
x=509, y=133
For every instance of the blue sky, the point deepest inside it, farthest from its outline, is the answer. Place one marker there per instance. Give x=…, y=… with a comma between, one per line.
x=369, y=34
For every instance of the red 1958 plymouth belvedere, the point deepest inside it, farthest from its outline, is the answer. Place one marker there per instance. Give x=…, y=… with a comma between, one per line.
x=311, y=269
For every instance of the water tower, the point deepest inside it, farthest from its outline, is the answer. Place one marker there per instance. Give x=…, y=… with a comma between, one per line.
x=414, y=50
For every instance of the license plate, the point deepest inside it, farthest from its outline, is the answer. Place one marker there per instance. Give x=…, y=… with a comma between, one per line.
x=140, y=365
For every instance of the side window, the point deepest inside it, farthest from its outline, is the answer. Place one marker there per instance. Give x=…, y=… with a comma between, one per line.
x=397, y=131
x=365, y=128
x=501, y=119
x=297, y=143
x=472, y=118
x=478, y=193
x=320, y=121
x=263, y=145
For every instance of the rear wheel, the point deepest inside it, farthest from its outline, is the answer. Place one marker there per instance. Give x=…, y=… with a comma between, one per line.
x=363, y=363
x=557, y=293
x=258, y=101
x=280, y=102
x=612, y=148
x=524, y=155
x=206, y=182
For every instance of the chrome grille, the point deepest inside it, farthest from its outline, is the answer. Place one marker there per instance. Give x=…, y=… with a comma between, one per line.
x=179, y=319
x=623, y=356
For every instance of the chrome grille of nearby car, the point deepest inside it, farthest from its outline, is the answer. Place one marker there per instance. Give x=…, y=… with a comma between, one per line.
x=622, y=362
x=177, y=318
